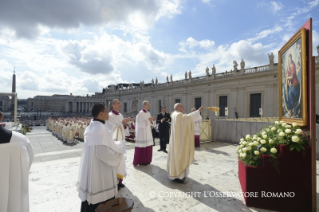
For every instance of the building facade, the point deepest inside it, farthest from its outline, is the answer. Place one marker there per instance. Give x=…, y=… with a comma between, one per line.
x=243, y=91
x=5, y=103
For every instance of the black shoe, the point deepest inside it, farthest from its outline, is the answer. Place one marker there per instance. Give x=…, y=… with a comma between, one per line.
x=121, y=185
x=144, y=164
x=165, y=151
x=160, y=150
x=118, y=187
x=178, y=181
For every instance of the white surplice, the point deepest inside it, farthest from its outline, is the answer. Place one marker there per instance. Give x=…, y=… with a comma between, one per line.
x=114, y=123
x=196, y=127
x=181, y=144
x=143, y=135
x=16, y=158
x=102, y=158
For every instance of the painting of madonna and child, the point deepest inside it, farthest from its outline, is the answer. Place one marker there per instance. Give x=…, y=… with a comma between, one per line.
x=292, y=80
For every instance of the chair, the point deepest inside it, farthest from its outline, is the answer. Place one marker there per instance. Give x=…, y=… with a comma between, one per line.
x=116, y=205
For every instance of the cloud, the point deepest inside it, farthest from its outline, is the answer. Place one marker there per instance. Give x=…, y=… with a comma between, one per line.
x=265, y=33
x=276, y=6
x=88, y=57
x=299, y=11
x=28, y=18
x=206, y=1
x=272, y=6
x=254, y=54
x=152, y=56
x=6, y=76
x=92, y=85
x=28, y=81
x=191, y=43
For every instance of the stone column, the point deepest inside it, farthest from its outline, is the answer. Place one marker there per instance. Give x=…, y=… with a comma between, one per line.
x=241, y=105
x=170, y=106
x=232, y=106
x=188, y=105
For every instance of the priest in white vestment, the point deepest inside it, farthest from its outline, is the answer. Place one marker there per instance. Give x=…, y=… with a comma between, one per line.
x=16, y=157
x=181, y=143
x=116, y=124
x=70, y=133
x=143, y=137
x=102, y=158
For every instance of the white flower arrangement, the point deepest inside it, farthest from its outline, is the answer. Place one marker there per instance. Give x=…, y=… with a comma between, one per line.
x=252, y=147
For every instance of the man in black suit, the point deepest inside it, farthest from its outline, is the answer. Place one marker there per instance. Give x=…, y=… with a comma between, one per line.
x=163, y=121
x=5, y=135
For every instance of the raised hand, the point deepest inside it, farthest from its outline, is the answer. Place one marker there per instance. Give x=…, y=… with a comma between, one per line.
x=152, y=118
x=125, y=120
x=201, y=109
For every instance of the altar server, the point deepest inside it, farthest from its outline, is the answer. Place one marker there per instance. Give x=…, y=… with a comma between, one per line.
x=102, y=158
x=143, y=138
x=116, y=123
x=196, y=130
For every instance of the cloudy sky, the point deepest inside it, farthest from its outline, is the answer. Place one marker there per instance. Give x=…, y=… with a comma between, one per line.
x=82, y=46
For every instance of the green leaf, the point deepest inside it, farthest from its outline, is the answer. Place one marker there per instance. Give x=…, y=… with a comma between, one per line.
x=298, y=148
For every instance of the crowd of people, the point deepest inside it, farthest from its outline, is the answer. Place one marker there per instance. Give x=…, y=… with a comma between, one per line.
x=68, y=129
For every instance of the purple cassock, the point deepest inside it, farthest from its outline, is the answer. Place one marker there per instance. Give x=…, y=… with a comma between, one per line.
x=197, y=141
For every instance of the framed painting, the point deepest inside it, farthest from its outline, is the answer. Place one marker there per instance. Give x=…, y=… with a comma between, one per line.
x=293, y=80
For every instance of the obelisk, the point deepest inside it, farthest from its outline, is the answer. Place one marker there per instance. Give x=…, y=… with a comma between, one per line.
x=13, y=91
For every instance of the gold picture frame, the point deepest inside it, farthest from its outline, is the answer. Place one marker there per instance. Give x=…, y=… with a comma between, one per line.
x=292, y=65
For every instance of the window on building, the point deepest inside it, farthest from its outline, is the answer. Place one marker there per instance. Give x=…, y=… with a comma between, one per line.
x=159, y=105
x=255, y=104
x=125, y=107
x=222, y=105
x=177, y=101
x=198, y=102
x=0, y=103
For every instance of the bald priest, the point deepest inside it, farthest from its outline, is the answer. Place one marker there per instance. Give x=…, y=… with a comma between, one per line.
x=181, y=143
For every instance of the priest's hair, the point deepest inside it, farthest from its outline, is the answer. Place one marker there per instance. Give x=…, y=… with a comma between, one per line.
x=113, y=102
x=96, y=109
x=145, y=102
x=176, y=105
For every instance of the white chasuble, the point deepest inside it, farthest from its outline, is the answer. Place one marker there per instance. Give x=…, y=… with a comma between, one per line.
x=181, y=144
x=143, y=135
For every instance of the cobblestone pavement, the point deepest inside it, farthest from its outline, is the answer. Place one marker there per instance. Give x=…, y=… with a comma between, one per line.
x=54, y=174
